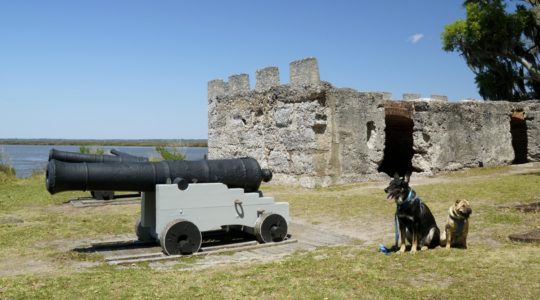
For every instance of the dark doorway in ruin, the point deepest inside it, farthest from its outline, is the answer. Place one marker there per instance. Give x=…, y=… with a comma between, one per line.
x=398, y=147
x=518, y=128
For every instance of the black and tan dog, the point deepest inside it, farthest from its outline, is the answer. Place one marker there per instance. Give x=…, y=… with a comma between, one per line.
x=414, y=221
x=457, y=225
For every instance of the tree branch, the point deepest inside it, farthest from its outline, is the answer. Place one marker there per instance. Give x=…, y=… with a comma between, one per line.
x=535, y=75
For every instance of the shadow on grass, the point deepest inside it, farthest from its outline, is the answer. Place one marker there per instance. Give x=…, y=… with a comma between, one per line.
x=209, y=239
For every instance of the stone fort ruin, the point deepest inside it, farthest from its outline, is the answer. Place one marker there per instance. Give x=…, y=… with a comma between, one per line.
x=311, y=133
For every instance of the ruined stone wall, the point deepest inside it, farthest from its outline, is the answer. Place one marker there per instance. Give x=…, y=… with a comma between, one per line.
x=311, y=133
x=307, y=131
x=532, y=118
x=451, y=136
x=357, y=134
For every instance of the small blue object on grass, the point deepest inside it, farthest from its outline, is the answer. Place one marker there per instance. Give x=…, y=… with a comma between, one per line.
x=384, y=250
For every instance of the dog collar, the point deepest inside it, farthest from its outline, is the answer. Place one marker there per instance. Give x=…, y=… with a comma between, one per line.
x=410, y=196
x=457, y=218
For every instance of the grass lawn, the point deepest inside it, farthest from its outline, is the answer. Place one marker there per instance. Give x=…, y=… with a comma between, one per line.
x=37, y=233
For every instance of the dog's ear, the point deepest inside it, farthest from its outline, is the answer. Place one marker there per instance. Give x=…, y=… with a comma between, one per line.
x=407, y=178
x=396, y=175
x=457, y=201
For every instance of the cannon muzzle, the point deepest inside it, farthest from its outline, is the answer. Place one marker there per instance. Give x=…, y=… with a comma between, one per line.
x=143, y=176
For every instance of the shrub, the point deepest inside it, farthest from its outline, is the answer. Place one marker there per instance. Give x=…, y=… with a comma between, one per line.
x=88, y=150
x=6, y=168
x=173, y=154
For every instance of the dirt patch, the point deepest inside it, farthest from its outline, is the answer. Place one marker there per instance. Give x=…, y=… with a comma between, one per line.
x=526, y=208
x=17, y=266
x=368, y=231
x=532, y=236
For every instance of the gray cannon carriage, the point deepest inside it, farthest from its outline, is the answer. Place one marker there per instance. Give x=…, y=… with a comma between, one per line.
x=182, y=199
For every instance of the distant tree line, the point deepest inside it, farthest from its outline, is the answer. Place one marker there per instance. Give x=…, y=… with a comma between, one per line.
x=114, y=142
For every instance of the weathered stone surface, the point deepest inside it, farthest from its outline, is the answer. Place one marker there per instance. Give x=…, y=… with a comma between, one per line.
x=532, y=118
x=313, y=134
x=279, y=161
x=216, y=88
x=356, y=124
x=282, y=116
x=238, y=84
x=304, y=72
x=267, y=78
x=439, y=98
x=451, y=136
x=411, y=96
x=386, y=95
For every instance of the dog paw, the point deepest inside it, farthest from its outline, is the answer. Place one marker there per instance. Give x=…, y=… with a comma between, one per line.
x=424, y=248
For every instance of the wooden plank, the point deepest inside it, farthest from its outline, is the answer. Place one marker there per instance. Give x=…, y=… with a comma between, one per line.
x=158, y=254
x=93, y=202
x=235, y=245
x=402, y=109
x=134, y=256
x=518, y=114
x=202, y=253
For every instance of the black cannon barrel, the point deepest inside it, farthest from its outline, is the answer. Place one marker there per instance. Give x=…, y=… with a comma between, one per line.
x=75, y=157
x=124, y=154
x=143, y=176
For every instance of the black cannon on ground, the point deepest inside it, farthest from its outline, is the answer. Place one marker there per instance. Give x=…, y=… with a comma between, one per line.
x=181, y=199
x=117, y=157
x=143, y=176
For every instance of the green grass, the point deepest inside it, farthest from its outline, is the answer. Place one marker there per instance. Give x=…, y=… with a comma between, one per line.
x=492, y=267
x=334, y=273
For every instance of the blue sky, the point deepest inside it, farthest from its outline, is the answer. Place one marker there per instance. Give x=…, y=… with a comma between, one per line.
x=139, y=69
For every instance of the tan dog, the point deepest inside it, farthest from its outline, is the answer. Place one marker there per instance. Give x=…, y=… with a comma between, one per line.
x=457, y=225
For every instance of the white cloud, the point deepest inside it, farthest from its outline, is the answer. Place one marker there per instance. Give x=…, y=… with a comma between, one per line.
x=415, y=38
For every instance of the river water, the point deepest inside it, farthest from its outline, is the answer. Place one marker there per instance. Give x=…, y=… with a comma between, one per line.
x=27, y=158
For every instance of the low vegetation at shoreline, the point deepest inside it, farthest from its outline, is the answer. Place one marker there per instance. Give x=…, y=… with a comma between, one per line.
x=113, y=142
x=38, y=233
x=6, y=168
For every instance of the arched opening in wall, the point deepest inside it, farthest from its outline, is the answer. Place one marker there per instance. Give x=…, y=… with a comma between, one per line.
x=518, y=129
x=398, y=145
